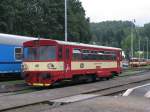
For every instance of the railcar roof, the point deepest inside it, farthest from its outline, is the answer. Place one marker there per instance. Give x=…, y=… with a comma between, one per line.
x=14, y=39
x=86, y=45
x=81, y=44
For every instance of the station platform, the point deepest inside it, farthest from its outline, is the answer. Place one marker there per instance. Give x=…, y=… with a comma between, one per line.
x=107, y=104
x=140, y=91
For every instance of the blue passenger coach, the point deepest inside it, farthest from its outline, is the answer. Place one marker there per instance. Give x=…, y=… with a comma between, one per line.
x=11, y=53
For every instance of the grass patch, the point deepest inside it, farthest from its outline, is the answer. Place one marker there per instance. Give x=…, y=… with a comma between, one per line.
x=12, y=82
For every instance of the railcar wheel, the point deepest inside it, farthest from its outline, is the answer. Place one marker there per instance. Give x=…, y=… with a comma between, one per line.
x=105, y=78
x=75, y=79
x=91, y=78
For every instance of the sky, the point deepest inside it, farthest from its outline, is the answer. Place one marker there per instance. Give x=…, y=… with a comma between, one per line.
x=103, y=10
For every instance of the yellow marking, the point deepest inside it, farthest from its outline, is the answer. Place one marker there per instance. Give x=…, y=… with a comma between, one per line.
x=40, y=84
x=44, y=66
x=47, y=84
x=92, y=65
x=37, y=84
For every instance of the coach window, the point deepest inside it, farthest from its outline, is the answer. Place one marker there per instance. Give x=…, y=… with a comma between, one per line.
x=76, y=54
x=18, y=53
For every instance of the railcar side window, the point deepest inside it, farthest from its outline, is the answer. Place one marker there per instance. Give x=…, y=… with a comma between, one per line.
x=98, y=55
x=109, y=52
x=85, y=51
x=76, y=54
x=60, y=52
x=85, y=56
x=18, y=53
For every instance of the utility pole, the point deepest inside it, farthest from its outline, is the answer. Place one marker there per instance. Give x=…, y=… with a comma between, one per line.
x=139, y=48
x=143, y=51
x=132, y=26
x=147, y=48
x=66, y=33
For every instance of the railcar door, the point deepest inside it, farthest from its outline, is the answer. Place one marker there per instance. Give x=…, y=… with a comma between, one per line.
x=119, y=61
x=67, y=62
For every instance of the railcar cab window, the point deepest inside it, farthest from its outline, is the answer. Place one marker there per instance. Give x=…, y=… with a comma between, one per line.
x=18, y=53
x=40, y=53
x=76, y=54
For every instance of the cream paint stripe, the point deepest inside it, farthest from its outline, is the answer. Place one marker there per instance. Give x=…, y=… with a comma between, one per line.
x=59, y=66
x=92, y=65
x=44, y=66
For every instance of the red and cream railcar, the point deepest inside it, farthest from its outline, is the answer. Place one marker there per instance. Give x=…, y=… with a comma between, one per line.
x=49, y=61
x=136, y=62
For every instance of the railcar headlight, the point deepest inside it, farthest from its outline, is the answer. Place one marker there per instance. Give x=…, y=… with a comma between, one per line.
x=24, y=67
x=50, y=66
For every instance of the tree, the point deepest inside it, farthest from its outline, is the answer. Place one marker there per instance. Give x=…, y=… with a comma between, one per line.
x=44, y=18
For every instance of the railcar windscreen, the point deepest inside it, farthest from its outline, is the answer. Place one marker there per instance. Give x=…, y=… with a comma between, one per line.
x=40, y=53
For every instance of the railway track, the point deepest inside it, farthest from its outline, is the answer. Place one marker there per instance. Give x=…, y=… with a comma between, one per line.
x=50, y=104
x=22, y=87
x=57, y=97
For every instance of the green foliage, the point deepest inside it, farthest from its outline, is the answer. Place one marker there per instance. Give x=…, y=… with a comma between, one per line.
x=111, y=33
x=147, y=29
x=44, y=18
x=118, y=34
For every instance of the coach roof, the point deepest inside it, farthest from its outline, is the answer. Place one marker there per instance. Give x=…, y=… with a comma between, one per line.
x=14, y=39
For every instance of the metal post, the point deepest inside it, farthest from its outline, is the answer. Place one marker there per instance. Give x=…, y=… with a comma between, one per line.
x=143, y=52
x=139, y=49
x=66, y=34
x=132, y=39
x=147, y=48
